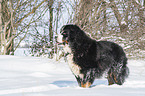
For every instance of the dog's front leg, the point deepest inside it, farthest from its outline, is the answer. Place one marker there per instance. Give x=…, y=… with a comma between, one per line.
x=86, y=84
x=86, y=79
x=83, y=83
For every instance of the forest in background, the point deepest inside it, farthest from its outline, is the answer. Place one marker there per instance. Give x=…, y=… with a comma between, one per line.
x=37, y=22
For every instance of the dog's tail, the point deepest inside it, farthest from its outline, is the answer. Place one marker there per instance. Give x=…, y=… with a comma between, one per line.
x=121, y=72
x=118, y=73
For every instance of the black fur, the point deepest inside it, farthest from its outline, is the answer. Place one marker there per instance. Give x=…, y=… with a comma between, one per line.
x=95, y=57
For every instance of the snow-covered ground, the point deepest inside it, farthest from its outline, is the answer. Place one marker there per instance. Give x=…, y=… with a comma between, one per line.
x=33, y=76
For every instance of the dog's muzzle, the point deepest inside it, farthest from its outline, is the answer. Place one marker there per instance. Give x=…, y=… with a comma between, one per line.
x=60, y=40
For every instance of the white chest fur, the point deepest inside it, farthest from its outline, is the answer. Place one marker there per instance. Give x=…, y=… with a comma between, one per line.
x=67, y=49
x=74, y=67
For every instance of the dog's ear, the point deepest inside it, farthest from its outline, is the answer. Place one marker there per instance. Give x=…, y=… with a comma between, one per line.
x=76, y=34
x=62, y=28
x=76, y=28
x=71, y=34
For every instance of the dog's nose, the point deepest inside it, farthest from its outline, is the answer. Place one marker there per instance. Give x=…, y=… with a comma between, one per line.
x=56, y=36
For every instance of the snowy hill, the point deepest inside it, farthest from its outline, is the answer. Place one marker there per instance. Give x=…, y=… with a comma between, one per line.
x=32, y=76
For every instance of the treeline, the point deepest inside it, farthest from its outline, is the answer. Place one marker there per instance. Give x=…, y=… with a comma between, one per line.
x=121, y=21
x=39, y=21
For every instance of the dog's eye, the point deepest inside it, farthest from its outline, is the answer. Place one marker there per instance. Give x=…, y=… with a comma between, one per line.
x=64, y=33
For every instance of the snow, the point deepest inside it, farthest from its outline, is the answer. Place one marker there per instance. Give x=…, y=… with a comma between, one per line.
x=33, y=76
x=123, y=22
x=22, y=52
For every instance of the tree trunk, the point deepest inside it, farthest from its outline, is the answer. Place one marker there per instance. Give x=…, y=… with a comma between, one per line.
x=1, y=31
x=6, y=18
x=0, y=24
x=50, y=5
x=104, y=17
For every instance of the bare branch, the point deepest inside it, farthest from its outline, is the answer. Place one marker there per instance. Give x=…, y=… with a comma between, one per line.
x=33, y=10
x=116, y=11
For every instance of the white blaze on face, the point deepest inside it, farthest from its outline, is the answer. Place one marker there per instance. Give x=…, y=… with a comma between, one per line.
x=66, y=47
x=59, y=39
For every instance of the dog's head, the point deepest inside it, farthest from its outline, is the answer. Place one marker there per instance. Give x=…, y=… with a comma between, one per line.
x=69, y=33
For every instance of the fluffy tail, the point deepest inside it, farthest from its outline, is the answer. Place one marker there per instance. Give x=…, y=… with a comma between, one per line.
x=122, y=72
x=117, y=74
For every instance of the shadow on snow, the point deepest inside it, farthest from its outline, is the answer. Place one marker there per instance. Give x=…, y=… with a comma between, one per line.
x=66, y=83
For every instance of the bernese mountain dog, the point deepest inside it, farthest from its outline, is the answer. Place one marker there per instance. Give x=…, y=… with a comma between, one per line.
x=89, y=59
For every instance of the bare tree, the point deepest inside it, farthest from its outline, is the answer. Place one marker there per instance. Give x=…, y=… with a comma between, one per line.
x=44, y=43
x=83, y=12
x=16, y=16
x=50, y=5
x=119, y=21
x=1, y=23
